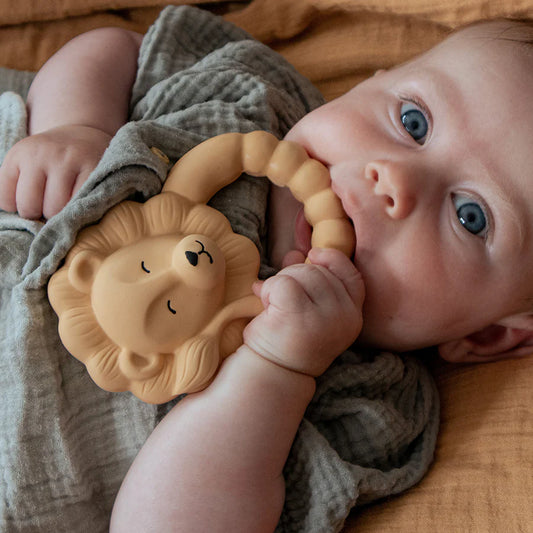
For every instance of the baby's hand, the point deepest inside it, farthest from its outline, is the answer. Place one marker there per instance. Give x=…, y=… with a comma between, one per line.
x=312, y=313
x=42, y=172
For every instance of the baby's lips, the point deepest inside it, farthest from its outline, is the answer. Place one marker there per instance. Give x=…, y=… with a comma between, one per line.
x=325, y=224
x=347, y=233
x=344, y=232
x=337, y=233
x=354, y=236
x=332, y=228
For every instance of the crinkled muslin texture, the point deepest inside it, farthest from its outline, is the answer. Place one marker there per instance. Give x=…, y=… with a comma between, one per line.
x=65, y=444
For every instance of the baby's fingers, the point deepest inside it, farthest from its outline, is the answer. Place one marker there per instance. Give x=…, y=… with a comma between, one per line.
x=30, y=192
x=61, y=184
x=284, y=292
x=343, y=269
x=9, y=175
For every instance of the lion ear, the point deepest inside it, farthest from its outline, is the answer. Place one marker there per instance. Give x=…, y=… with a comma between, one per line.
x=83, y=269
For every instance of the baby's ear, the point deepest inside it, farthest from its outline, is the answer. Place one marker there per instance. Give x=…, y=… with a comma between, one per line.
x=510, y=337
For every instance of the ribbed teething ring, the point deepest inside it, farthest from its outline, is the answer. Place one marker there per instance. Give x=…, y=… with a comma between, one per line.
x=220, y=160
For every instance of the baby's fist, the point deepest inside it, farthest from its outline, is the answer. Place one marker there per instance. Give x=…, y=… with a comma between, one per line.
x=313, y=312
x=42, y=172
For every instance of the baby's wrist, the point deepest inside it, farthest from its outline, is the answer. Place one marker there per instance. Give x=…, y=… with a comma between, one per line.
x=93, y=130
x=276, y=371
x=89, y=127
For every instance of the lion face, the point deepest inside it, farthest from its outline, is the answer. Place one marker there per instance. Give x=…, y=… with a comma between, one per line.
x=154, y=294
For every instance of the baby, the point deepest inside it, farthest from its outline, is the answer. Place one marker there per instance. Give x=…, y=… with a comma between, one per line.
x=440, y=200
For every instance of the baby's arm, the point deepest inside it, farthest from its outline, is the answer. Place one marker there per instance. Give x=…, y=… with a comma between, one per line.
x=215, y=462
x=76, y=103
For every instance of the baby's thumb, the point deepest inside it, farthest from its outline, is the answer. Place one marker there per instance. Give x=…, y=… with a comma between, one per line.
x=342, y=268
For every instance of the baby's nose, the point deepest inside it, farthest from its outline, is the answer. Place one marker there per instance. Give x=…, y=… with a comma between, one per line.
x=393, y=182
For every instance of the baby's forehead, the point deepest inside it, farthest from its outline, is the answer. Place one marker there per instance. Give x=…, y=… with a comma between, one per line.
x=500, y=46
x=486, y=36
x=489, y=61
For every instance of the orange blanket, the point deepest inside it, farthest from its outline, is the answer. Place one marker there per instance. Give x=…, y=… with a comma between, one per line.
x=335, y=43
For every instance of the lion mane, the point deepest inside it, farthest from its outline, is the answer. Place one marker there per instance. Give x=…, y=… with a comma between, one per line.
x=192, y=364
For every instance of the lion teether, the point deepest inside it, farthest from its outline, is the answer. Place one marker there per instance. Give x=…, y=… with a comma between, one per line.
x=153, y=297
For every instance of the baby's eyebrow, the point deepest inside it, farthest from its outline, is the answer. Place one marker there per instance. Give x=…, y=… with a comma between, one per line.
x=514, y=211
x=441, y=87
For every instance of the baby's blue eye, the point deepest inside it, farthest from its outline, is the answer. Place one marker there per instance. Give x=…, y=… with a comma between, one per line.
x=414, y=121
x=471, y=215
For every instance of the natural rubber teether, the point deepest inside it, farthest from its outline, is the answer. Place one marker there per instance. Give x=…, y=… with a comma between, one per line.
x=156, y=295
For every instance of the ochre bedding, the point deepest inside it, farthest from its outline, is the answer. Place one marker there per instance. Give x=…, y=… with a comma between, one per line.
x=482, y=476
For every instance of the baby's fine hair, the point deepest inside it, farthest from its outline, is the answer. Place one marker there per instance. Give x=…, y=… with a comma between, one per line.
x=515, y=30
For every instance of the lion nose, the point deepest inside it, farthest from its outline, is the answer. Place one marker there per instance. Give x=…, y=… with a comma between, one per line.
x=192, y=257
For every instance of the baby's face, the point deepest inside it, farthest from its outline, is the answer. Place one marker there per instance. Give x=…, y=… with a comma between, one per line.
x=433, y=162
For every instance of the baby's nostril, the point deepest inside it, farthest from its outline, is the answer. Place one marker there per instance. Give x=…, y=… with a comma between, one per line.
x=192, y=257
x=390, y=201
x=372, y=174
